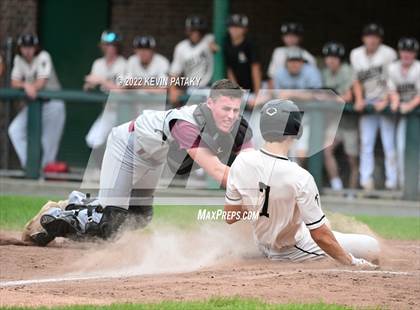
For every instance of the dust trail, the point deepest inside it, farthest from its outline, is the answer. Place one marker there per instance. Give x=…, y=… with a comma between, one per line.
x=168, y=250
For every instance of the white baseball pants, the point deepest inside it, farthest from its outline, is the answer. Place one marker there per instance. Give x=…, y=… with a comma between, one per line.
x=360, y=246
x=126, y=179
x=369, y=125
x=53, y=119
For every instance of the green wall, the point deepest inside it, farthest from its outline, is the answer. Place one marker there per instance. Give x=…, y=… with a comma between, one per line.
x=69, y=30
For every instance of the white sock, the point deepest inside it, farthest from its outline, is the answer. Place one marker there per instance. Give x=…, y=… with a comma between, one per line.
x=336, y=184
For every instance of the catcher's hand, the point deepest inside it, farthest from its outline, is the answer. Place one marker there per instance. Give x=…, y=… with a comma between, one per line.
x=362, y=263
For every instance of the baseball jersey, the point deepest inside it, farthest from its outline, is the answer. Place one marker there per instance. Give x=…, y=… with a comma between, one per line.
x=158, y=67
x=407, y=84
x=194, y=61
x=284, y=194
x=109, y=71
x=41, y=67
x=371, y=69
x=278, y=60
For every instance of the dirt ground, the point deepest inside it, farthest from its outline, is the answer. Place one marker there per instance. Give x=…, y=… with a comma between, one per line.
x=169, y=264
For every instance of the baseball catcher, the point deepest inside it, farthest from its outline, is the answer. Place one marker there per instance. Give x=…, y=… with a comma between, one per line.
x=207, y=135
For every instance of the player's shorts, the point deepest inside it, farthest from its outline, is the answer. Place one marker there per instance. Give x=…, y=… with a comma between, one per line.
x=349, y=138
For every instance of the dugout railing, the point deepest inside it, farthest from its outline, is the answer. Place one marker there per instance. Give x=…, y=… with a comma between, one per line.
x=315, y=162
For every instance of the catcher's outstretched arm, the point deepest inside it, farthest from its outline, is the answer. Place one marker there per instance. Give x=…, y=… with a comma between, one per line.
x=210, y=163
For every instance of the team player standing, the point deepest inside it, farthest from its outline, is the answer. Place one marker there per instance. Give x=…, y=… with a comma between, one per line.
x=375, y=78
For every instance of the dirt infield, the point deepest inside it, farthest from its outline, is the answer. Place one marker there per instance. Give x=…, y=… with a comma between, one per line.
x=180, y=265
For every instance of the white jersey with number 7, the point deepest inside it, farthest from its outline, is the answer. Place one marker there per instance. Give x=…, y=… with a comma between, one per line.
x=284, y=194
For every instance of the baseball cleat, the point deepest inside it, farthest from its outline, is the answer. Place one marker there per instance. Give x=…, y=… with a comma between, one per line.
x=58, y=227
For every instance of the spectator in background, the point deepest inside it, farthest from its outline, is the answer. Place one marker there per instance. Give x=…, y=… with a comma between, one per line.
x=338, y=76
x=241, y=58
x=297, y=75
x=104, y=74
x=370, y=62
x=146, y=63
x=33, y=71
x=404, y=87
x=292, y=35
x=193, y=57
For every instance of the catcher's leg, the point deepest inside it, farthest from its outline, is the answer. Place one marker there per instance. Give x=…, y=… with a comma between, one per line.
x=128, y=181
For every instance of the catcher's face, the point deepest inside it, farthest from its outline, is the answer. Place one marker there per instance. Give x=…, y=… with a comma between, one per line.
x=225, y=111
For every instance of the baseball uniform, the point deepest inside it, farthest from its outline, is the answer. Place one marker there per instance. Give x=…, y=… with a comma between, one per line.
x=407, y=84
x=194, y=61
x=158, y=67
x=371, y=72
x=288, y=202
x=53, y=111
x=137, y=151
x=102, y=126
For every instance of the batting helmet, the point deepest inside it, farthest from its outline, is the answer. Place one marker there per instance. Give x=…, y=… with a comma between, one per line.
x=293, y=28
x=408, y=44
x=294, y=53
x=333, y=49
x=280, y=119
x=373, y=29
x=238, y=20
x=144, y=42
x=27, y=39
x=195, y=23
x=110, y=37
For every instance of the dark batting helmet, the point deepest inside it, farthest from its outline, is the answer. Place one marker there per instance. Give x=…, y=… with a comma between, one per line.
x=373, y=29
x=408, y=44
x=144, y=42
x=27, y=39
x=238, y=20
x=195, y=23
x=294, y=53
x=280, y=119
x=293, y=28
x=333, y=49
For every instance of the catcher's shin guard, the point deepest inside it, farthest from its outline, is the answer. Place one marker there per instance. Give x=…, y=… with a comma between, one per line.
x=111, y=221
